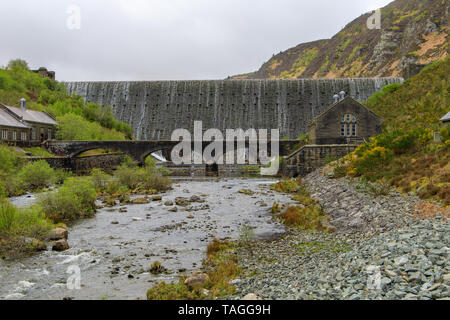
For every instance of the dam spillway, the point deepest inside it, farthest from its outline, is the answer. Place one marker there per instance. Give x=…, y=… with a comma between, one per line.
x=155, y=108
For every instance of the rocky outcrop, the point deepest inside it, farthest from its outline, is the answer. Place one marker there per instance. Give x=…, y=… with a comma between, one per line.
x=413, y=32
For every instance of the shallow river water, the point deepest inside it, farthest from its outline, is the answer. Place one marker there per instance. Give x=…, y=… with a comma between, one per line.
x=114, y=250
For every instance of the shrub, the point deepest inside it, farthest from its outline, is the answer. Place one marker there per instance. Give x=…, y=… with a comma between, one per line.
x=15, y=224
x=309, y=218
x=132, y=177
x=8, y=160
x=146, y=178
x=174, y=291
x=157, y=182
x=100, y=179
x=372, y=160
x=286, y=186
x=37, y=174
x=74, y=199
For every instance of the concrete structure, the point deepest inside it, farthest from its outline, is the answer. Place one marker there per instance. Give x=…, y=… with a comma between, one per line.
x=345, y=122
x=25, y=127
x=311, y=157
x=155, y=108
x=446, y=118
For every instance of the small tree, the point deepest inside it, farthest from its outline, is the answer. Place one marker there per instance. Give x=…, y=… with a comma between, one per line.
x=17, y=63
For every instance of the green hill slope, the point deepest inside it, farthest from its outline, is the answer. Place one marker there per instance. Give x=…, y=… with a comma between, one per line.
x=77, y=121
x=405, y=155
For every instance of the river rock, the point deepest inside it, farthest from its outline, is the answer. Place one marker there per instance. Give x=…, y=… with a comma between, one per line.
x=140, y=201
x=168, y=203
x=182, y=202
x=39, y=245
x=173, y=209
x=251, y=297
x=60, y=245
x=58, y=234
x=156, y=198
x=196, y=280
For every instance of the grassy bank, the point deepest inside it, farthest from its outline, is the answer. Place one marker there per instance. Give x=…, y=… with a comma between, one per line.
x=307, y=214
x=405, y=155
x=219, y=268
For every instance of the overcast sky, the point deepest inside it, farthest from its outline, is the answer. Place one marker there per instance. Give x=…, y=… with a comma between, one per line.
x=164, y=39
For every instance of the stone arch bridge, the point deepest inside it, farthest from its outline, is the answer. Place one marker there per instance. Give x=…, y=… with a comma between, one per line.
x=139, y=150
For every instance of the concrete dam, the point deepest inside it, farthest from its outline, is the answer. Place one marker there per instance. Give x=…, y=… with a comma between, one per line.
x=155, y=108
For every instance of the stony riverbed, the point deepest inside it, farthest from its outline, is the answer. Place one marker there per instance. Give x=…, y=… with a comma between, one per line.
x=114, y=250
x=380, y=251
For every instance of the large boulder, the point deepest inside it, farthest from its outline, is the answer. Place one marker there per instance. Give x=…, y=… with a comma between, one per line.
x=196, y=280
x=60, y=245
x=182, y=202
x=140, y=201
x=59, y=233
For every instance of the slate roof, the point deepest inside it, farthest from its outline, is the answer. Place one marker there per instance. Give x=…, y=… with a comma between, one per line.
x=445, y=118
x=32, y=115
x=8, y=120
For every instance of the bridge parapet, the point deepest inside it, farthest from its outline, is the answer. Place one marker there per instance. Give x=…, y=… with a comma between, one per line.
x=139, y=150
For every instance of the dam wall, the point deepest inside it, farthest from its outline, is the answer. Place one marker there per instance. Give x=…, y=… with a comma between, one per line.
x=155, y=108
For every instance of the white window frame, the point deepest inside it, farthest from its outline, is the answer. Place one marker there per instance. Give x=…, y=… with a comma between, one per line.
x=4, y=134
x=14, y=135
x=349, y=125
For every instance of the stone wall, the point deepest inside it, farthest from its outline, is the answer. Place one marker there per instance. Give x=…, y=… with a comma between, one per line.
x=155, y=108
x=311, y=157
x=81, y=165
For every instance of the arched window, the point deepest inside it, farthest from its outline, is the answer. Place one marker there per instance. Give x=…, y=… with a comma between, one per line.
x=348, y=125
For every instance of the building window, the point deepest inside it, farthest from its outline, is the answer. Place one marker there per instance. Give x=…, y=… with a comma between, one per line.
x=14, y=135
x=23, y=136
x=49, y=134
x=33, y=134
x=348, y=125
x=4, y=135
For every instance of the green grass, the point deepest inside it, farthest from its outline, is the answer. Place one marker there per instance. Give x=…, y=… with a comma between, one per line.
x=405, y=156
x=38, y=152
x=17, y=224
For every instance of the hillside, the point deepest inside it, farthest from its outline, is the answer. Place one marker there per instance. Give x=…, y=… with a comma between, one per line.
x=76, y=121
x=405, y=155
x=412, y=32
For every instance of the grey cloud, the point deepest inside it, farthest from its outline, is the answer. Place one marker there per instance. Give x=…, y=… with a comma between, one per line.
x=165, y=39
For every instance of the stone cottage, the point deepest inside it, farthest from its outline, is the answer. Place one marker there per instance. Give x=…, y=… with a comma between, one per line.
x=346, y=122
x=25, y=127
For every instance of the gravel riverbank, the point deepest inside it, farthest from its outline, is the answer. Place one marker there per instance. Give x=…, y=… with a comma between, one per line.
x=379, y=251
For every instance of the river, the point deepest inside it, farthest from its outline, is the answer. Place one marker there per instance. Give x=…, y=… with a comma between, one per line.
x=114, y=249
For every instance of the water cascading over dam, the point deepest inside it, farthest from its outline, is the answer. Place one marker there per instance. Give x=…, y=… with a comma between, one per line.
x=155, y=108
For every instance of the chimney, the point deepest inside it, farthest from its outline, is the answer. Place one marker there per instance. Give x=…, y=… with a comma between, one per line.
x=342, y=95
x=23, y=104
x=336, y=98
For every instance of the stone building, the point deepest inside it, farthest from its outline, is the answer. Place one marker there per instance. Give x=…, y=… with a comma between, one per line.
x=44, y=73
x=346, y=122
x=25, y=127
